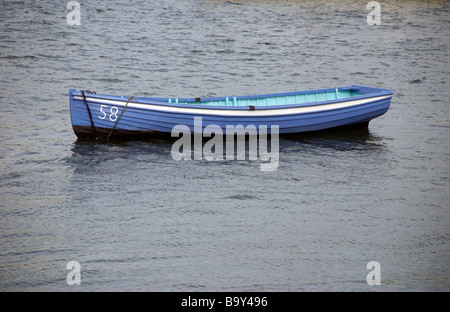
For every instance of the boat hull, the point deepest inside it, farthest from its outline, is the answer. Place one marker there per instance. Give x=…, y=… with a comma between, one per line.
x=104, y=116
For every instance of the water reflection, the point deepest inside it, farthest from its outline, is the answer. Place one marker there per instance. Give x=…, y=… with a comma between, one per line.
x=93, y=157
x=157, y=150
x=342, y=139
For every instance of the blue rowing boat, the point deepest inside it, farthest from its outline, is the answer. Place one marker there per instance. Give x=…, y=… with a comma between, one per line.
x=101, y=116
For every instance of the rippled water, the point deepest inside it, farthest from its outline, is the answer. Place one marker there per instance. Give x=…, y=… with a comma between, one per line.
x=135, y=219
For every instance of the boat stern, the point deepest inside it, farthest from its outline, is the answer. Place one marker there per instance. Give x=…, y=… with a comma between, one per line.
x=79, y=116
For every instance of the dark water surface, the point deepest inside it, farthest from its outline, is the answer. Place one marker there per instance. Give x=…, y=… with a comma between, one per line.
x=135, y=219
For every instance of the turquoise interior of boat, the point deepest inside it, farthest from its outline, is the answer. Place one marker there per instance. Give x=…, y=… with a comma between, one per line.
x=270, y=100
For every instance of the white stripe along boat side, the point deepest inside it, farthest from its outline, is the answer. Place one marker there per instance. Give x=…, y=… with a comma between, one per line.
x=241, y=112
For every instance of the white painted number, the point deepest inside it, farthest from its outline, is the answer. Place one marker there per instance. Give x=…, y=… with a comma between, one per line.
x=112, y=112
x=101, y=111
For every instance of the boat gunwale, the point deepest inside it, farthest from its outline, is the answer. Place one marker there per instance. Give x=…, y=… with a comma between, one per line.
x=371, y=93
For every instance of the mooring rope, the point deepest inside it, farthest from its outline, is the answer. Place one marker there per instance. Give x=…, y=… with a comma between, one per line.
x=94, y=132
x=117, y=121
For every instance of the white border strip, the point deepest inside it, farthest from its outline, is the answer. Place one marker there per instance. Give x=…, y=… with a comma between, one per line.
x=235, y=112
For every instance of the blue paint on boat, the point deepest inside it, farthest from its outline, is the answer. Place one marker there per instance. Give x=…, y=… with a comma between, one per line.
x=292, y=112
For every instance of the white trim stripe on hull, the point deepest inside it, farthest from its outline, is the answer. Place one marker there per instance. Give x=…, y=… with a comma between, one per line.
x=239, y=112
